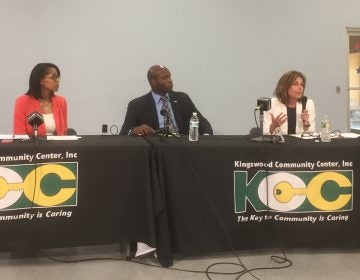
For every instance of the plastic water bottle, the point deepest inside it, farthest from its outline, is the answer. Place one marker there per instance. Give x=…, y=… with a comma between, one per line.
x=194, y=127
x=325, y=133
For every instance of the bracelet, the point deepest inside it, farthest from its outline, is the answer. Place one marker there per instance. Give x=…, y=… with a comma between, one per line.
x=131, y=131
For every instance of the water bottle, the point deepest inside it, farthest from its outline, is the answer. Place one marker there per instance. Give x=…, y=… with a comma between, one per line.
x=325, y=133
x=194, y=127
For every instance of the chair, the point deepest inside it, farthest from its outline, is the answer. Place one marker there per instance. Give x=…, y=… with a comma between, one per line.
x=71, y=131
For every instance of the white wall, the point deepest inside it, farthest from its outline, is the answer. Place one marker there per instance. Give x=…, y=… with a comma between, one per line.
x=225, y=54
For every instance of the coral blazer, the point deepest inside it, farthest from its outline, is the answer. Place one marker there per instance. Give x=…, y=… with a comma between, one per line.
x=26, y=104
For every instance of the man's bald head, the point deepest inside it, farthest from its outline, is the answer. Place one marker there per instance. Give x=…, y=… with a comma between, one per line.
x=154, y=71
x=159, y=78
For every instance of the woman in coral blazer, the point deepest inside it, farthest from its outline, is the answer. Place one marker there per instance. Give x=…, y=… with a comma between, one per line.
x=41, y=98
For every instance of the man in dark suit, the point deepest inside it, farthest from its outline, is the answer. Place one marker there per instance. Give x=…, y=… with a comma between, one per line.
x=143, y=116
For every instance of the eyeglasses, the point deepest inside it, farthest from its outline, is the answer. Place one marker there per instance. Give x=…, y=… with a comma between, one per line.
x=53, y=77
x=312, y=135
x=336, y=134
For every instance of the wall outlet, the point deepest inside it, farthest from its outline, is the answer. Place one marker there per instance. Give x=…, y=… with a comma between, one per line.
x=104, y=129
x=338, y=89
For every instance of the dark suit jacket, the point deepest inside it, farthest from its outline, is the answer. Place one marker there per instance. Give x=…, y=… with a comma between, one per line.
x=142, y=110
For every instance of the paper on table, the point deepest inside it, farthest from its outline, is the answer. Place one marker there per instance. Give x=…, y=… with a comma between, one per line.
x=12, y=137
x=305, y=136
x=333, y=135
x=63, y=137
x=349, y=135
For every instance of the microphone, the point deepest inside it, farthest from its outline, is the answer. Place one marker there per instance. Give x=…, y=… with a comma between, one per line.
x=165, y=113
x=303, y=101
x=167, y=118
x=35, y=119
x=263, y=104
x=169, y=129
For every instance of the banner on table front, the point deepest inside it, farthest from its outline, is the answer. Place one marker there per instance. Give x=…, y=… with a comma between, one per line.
x=294, y=191
x=38, y=186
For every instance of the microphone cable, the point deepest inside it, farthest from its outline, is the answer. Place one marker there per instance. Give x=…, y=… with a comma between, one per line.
x=275, y=138
x=207, y=272
x=35, y=223
x=34, y=229
x=239, y=273
x=279, y=259
x=245, y=270
x=114, y=130
x=257, y=124
x=33, y=226
x=41, y=251
x=261, y=137
x=100, y=258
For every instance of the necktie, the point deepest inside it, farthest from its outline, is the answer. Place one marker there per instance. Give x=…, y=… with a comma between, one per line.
x=167, y=125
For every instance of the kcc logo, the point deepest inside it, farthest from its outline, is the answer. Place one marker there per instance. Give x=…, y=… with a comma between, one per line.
x=47, y=185
x=303, y=191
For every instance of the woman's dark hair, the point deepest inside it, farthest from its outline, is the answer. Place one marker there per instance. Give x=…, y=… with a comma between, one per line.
x=39, y=72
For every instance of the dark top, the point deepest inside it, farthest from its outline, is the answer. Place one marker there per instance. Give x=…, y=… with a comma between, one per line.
x=142, y=110
x=291, y=113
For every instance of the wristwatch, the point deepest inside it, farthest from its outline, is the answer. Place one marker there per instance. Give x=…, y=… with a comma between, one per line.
x=307, y=124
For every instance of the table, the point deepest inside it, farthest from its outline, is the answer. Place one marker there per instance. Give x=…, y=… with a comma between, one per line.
x=225, y=192
x=97, y=190
x=218, y=194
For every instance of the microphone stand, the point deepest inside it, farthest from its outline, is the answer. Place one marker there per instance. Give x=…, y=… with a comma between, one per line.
x=266, y=138
x=35, y=131
x=263, y=139
x=261, y=119
x=165, y=132
x=35, y=119
x=36, y=136
x=278, y=137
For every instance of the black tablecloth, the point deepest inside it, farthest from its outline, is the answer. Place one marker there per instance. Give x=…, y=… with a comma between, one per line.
x=218, y=194
x=211, y=189
x=116, y=196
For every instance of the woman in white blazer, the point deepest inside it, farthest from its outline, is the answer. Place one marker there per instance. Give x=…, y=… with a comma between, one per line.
x=286, y=111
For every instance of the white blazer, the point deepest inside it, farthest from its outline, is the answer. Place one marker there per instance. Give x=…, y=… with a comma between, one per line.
x=277, y=107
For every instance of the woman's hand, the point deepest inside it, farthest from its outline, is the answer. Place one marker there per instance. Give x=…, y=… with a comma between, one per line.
x=277, y=121
x=305, y=118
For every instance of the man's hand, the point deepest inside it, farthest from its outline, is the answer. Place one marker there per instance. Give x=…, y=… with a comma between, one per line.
x=142, y=130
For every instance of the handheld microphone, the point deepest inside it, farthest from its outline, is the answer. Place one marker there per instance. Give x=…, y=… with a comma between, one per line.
x=303, y=101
